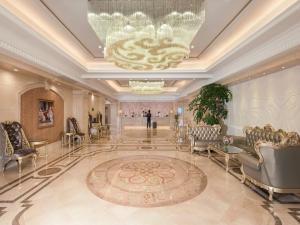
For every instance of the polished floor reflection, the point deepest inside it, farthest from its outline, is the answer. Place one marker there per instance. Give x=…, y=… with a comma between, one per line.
x=138, y=177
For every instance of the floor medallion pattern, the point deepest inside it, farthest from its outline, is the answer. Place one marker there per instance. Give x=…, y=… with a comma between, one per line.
x=146, y=181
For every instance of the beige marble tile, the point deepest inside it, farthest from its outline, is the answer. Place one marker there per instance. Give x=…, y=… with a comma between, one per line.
x=65, y=198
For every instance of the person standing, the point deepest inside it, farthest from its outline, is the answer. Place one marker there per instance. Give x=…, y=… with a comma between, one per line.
x=149, y=119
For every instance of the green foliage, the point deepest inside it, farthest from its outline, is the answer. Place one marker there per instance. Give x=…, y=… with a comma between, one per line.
x=209, y=105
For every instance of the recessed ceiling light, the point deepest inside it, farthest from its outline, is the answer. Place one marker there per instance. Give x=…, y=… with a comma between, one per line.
x=16, y=70
x=283, y=67
x=100, y=46
x=192, y=46
x=264, y=73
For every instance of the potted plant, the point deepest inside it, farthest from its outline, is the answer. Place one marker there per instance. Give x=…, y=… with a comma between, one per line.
x=209, y=106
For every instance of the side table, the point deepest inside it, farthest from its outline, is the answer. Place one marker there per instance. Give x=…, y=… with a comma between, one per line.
x=39, y=143
x=228, y=151
x=69, y=137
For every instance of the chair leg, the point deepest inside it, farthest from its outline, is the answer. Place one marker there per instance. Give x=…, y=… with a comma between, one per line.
x=243, y=180
x=4, y=167
x=20, y=165
x=34, y=157
x=271, y=192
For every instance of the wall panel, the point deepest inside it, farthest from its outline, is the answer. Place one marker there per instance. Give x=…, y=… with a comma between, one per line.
x=272, y=99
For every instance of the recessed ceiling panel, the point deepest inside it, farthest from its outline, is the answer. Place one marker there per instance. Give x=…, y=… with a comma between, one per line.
x=73, y=16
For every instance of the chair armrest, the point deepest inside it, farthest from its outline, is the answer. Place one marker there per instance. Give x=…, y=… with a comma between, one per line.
x=249, y=160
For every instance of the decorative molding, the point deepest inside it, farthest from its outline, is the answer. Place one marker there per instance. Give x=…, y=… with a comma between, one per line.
x=225, y=27
x=277, y=45
x=35, y=61
x=154, y=75
x=280, y=43
x=293, y=7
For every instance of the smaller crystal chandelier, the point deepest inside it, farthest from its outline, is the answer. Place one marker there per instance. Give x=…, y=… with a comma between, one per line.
x=146, y=87
x=146, y=34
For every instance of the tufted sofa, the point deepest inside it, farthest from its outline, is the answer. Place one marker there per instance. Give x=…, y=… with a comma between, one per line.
x=254, y=134
x=202, y=136
x=14, y=144
x=271, y=159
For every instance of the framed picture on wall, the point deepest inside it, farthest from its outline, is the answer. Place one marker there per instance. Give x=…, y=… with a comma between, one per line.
x=45, y=114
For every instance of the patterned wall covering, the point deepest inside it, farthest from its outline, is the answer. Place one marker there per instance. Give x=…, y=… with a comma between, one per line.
x=137, y=107
x=272, y=99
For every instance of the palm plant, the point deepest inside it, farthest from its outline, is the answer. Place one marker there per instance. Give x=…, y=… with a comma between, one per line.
x=209, y=106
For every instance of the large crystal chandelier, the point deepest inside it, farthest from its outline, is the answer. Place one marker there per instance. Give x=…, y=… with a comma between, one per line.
x=146, y=34
x=146, y=87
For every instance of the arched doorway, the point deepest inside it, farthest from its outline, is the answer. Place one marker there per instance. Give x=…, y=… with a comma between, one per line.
x=31, y=101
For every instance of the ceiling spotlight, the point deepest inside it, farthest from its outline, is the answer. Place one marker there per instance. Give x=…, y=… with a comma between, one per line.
x=283, y=67
x=192, y=46
x=264, y=73
x=15, y=69
x=100, y=46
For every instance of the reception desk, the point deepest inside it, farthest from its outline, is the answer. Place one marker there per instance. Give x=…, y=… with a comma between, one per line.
x=142, y=121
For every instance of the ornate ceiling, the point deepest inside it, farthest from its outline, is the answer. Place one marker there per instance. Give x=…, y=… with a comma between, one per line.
x=54, y=36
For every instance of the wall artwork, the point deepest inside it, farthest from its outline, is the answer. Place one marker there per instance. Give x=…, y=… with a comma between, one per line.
x=45, y=115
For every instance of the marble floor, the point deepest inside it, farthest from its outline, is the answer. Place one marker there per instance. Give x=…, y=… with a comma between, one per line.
x=138, y=177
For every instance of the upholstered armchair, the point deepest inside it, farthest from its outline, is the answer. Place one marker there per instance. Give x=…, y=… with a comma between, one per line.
x=271, y=160
x=202, y=136
x=73, y=127
x=14, y=145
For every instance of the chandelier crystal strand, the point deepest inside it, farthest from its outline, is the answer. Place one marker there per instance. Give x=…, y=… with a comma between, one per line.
x=146, y=34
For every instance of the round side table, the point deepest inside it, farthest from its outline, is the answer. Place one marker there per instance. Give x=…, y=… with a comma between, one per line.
x=40, y=143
